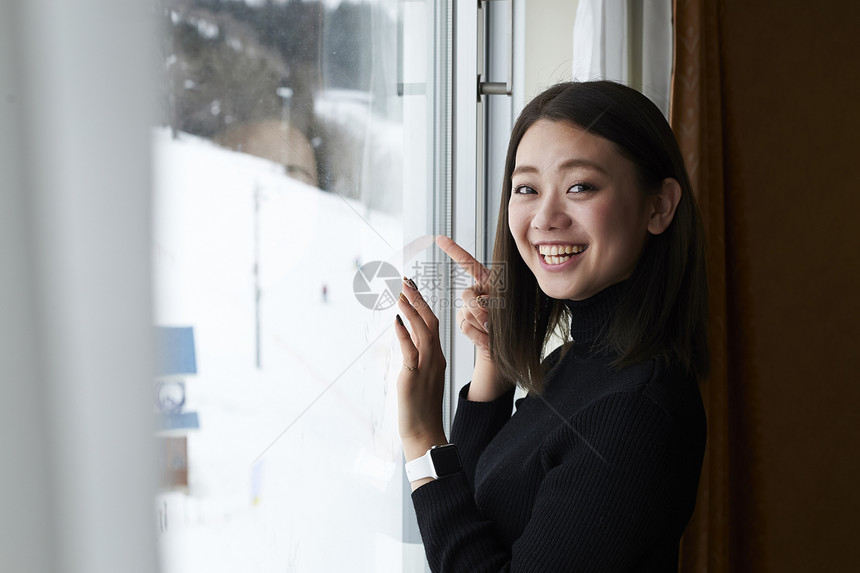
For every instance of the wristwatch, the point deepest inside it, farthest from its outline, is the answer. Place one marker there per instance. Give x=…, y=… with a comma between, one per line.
x=439, y=461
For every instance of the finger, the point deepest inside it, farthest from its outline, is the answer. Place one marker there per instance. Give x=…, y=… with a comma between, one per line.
x=477, y=333
x=414, y=297
x=478, y=321
x=474, y=314
x=474, y=307
x=420, y=330
x=407, y=347
x=462, y=257
x=478, y=336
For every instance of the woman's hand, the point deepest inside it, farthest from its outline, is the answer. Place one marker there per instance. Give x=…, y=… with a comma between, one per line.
x=472, y=318
x=421, y=383
x=473, y=321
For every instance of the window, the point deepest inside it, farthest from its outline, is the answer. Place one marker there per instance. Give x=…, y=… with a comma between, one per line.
x=302, y=165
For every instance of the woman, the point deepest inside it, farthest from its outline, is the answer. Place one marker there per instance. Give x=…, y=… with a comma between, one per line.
x=598, y=467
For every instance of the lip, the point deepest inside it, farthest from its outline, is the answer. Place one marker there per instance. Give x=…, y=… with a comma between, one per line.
x=562, y=266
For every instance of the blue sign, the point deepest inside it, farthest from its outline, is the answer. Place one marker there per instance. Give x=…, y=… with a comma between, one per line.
x=186, y=421
x=174, y=350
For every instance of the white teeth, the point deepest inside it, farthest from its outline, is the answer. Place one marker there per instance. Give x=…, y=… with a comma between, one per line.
x=553, y=250
x=555, y=260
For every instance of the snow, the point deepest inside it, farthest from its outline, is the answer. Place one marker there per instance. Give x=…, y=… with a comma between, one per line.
x=296, y=465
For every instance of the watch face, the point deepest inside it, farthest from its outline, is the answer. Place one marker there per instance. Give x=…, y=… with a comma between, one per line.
x=446, y=460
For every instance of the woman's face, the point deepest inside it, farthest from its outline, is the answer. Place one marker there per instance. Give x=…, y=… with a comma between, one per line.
x=576, y=212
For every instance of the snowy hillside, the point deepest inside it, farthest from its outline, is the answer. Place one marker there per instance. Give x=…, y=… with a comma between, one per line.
x=296, y=465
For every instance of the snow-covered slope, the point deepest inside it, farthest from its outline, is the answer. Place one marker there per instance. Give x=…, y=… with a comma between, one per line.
x=296, y=465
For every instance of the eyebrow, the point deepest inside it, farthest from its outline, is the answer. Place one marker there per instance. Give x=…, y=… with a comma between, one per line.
x=569, y=164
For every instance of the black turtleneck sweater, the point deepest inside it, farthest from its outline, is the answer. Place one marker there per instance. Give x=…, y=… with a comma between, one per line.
x=597, y=473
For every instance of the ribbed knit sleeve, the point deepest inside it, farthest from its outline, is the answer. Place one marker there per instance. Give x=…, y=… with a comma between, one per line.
x=456, y=537
x=602, y=498
x=475, y=424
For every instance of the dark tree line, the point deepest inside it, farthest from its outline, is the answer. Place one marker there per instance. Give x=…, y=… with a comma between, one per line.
x=225, y=60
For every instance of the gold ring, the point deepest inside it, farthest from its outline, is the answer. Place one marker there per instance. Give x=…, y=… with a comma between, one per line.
x=461, y=323
x=410, y=368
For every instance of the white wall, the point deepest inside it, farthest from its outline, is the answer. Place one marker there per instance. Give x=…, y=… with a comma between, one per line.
x=548, y=44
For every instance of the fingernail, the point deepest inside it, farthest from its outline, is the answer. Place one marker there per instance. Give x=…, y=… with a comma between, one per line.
x=483, y=300
x=408, y=282
x=487, y=326
x=403, y=298
x=399, y=320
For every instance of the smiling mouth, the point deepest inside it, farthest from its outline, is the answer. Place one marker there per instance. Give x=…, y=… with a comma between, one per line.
x=557, y=254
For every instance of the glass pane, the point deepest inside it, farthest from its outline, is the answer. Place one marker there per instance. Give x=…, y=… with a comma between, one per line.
x=297, y=155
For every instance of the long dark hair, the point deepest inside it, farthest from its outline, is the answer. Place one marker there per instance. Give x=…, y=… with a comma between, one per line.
x=663, y=313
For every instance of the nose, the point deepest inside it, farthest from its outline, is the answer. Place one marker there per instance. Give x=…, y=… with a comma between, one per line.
x=550, y=213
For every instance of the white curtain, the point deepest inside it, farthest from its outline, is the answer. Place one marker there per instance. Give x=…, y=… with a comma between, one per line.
x=628, y=42
x=76, y=423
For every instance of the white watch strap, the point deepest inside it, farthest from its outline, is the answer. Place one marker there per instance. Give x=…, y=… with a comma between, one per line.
x=421, y=468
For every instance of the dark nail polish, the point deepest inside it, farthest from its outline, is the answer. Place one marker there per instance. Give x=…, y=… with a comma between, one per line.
x=399, y=320
x=410, y=283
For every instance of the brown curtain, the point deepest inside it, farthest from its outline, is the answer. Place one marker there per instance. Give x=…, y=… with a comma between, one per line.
x=765, y=107
x=695, y=115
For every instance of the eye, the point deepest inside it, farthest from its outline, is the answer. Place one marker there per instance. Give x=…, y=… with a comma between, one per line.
x=581, y=188
x=524, y=190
